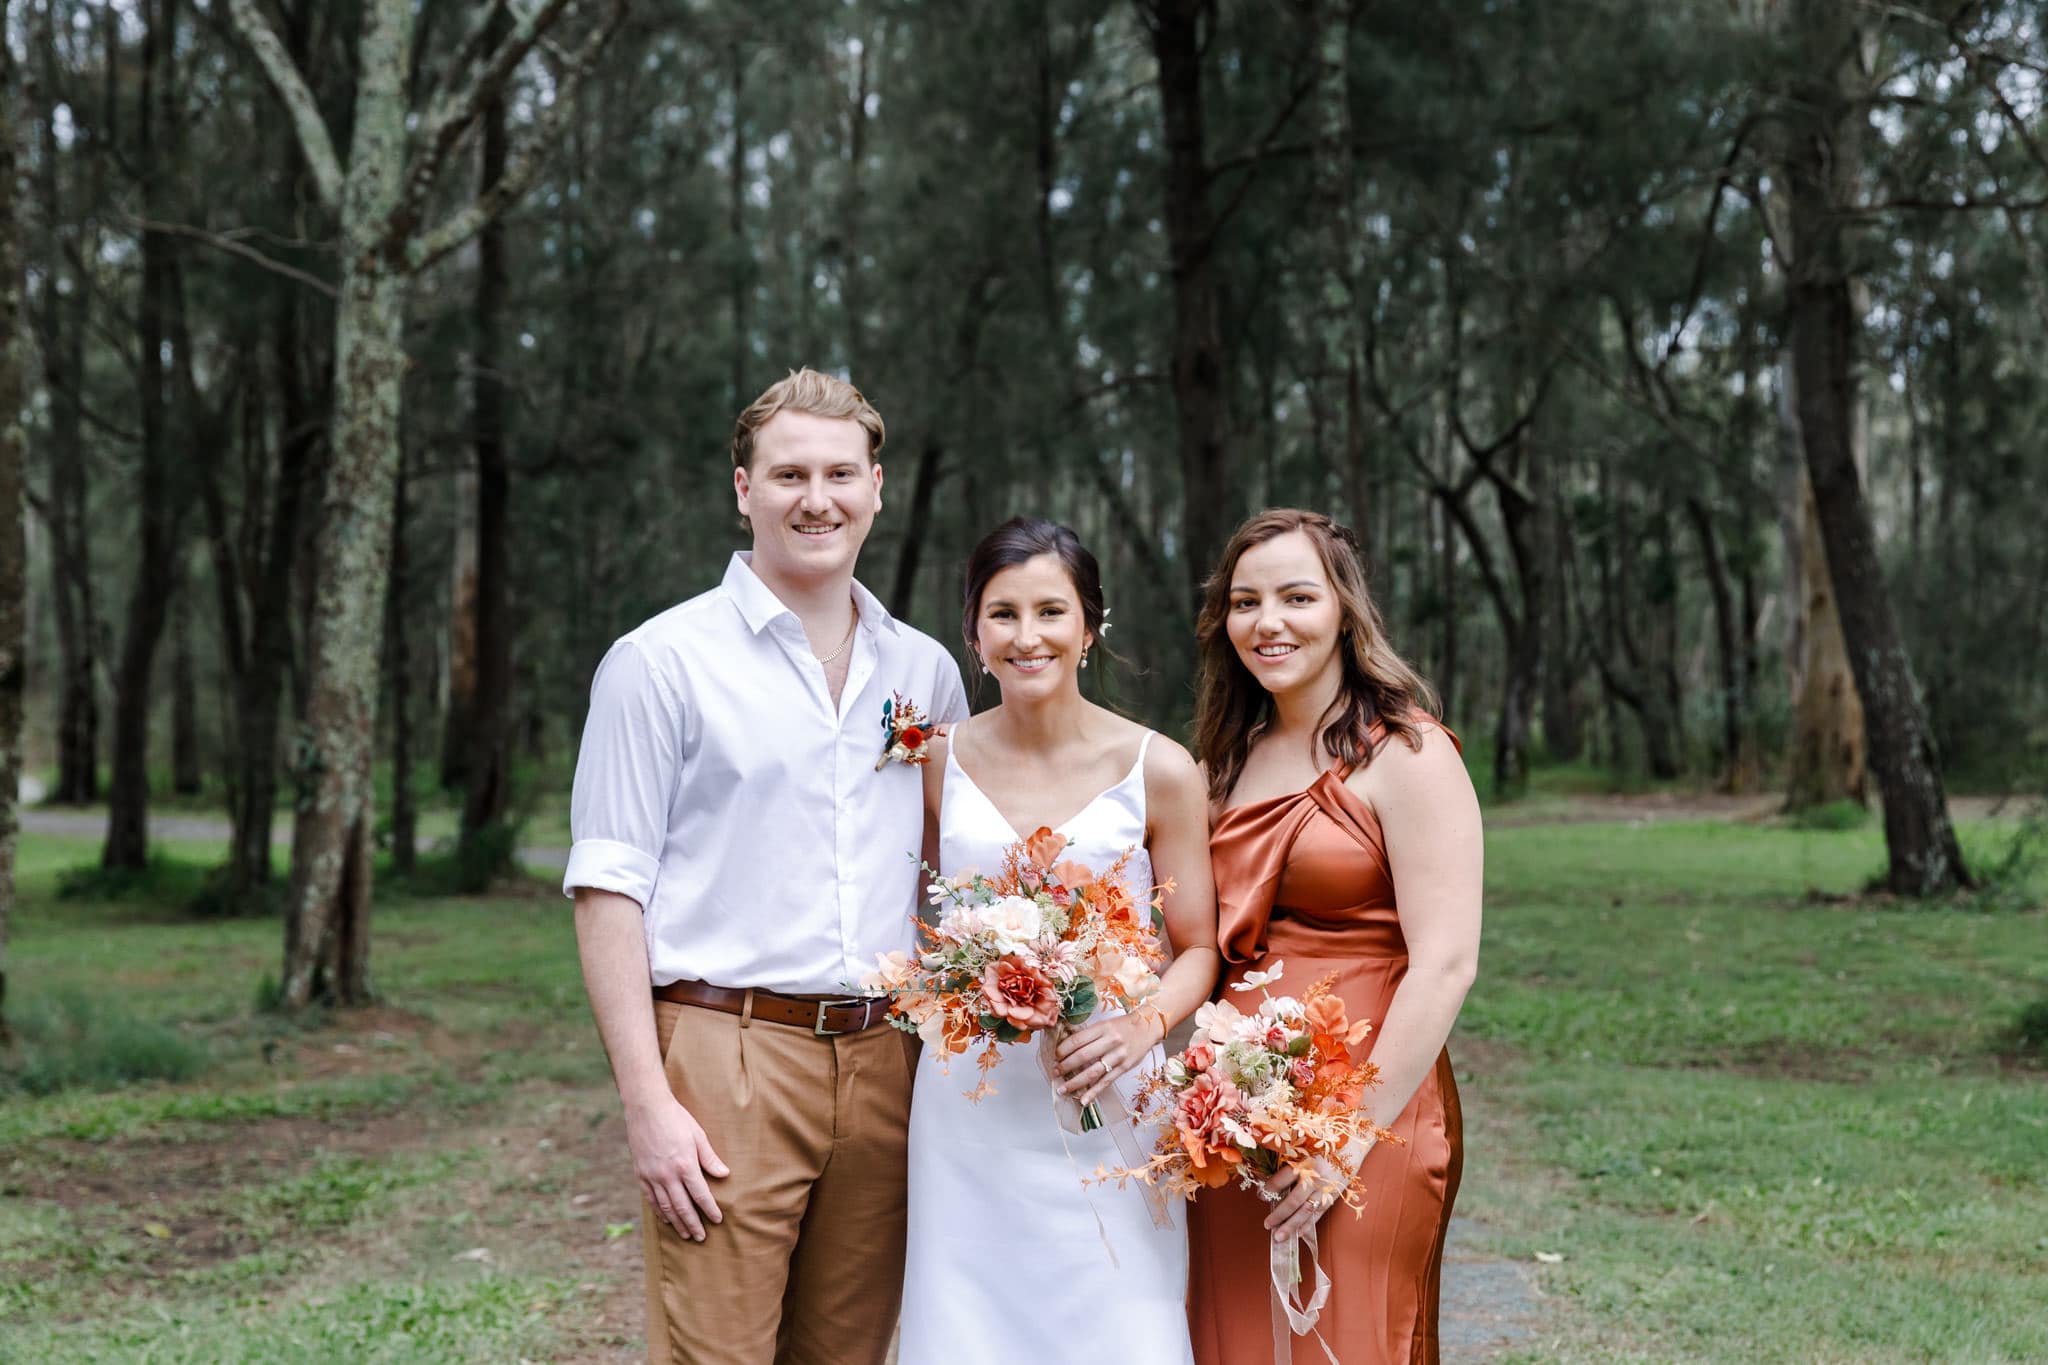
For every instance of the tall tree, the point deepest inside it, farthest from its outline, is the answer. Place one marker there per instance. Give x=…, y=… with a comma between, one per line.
x=159, y=502
x=1200, y=381
x=382, y=196
x=61, y=313
x=13, y=455
x=1827, y=114
x=486, y=771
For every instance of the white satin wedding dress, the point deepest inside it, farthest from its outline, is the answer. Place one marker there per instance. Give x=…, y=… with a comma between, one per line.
x=1005, y=1263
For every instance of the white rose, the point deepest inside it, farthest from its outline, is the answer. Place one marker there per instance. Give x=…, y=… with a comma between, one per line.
x=1013, y=921
x=1136, y=978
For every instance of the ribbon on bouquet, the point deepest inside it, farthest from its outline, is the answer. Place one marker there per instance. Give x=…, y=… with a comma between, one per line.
x=1115, y=1119
x=1292, y=1316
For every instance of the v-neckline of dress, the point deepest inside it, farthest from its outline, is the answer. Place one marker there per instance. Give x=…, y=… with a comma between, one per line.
x=953, y=764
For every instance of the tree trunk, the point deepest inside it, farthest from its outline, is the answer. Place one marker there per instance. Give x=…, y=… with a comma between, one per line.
x=185, y=765
x=740, y=286
x=149, y=601
x=1823, y=162
x=327, y=933
x=1564, y=736
x=487, y=773
x=398, y=668
x=917, y=526
x=13, y=549
x=261, y=701
x=1727, y=645
x=1208, y=495
x=60, y=319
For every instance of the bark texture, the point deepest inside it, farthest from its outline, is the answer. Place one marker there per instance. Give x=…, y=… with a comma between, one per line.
x=327, y=929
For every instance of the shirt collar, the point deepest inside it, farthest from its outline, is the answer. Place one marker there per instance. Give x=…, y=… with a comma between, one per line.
x=759, y=605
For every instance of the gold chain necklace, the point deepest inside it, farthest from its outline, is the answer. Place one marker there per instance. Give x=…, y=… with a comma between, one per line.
x=851, y=626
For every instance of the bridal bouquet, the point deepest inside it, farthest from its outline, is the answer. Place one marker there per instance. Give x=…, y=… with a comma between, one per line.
x=1253, y=1093
x=1033, y=950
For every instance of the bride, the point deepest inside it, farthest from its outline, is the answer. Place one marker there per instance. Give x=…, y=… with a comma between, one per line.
x=996, y=1203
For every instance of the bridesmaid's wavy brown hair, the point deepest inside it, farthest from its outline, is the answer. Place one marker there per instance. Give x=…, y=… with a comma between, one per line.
x=1232, y=709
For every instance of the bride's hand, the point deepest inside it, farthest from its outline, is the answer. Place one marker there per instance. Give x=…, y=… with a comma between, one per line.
x=1090, y=1058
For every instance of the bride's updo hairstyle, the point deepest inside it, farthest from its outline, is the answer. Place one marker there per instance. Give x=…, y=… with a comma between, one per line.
x=1026, y=538
x=1232, y=709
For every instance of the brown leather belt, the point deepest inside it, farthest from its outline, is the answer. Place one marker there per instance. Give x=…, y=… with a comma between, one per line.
x=824, y=1016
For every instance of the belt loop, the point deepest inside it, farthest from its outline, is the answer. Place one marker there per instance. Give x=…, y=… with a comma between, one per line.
x=747, y=1009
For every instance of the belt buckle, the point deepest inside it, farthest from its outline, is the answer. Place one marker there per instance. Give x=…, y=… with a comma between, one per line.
x=818, y=1029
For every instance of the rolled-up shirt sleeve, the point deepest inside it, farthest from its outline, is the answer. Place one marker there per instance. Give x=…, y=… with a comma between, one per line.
x=949, y=696
x=626, y=775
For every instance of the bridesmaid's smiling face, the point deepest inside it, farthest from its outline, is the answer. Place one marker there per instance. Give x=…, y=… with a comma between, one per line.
x=1029, y=631
x=1284, y=617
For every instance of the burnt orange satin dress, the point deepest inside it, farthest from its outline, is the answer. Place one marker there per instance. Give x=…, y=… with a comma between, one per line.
x=1305, y=877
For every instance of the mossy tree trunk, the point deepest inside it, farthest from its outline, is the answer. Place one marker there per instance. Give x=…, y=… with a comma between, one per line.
x=383, y=196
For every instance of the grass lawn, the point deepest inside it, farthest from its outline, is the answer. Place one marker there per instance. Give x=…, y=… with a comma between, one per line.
x=1756, y=1120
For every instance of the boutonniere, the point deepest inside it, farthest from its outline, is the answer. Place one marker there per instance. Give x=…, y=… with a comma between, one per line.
x=905, y=733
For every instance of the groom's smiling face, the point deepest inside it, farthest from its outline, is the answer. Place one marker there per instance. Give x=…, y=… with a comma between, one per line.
x=810, y=492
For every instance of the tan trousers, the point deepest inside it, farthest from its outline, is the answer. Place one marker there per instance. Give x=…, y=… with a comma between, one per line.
x=808, y=1264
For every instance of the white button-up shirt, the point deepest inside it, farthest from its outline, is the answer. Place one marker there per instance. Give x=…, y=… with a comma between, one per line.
x=719, y=787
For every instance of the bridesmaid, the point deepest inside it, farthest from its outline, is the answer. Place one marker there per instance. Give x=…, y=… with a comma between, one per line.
x=1345, y=840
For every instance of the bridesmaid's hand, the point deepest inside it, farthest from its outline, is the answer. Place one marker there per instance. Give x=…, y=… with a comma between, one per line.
x=1091, y=1058
x=1300, y=1206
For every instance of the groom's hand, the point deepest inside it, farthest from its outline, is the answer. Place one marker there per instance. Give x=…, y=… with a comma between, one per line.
x=673, y=1159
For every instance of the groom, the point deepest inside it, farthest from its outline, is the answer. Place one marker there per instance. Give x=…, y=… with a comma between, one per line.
x=738, y=856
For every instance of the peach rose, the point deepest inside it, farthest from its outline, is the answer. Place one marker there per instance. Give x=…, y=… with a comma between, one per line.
x=1203, y=1117
x=1199, y=1058
x=1020, y=994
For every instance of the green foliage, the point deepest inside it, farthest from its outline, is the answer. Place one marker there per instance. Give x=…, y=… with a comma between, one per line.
x=458, y=867
x=164, y=881
x=71, y=1040
x=2030, y=1033
x=1831, y=815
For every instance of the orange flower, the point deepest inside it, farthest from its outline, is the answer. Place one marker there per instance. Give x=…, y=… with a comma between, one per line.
x=1200, y=1117
x=1044, y=847
x=1020, y=994
x=1327, y=1019
x=1073, y=875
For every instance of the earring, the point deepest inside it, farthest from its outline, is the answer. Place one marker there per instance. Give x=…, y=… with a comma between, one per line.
x=1084, y=661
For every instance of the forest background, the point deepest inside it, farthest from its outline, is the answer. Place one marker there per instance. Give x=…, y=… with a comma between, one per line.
x=367, y=366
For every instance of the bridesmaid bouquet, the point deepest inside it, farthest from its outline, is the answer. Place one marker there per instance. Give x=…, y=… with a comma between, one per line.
x=1035, y=949
x=1253, y=1093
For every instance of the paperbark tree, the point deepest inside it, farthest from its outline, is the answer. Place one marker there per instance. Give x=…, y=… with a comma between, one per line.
x=382, y=197
x=1827, y=123
x=13, y=551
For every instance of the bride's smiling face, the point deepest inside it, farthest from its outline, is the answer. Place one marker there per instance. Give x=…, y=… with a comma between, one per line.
x=1029, y=630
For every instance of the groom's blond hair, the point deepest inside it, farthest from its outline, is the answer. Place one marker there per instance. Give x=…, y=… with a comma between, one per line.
x=806, y=391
